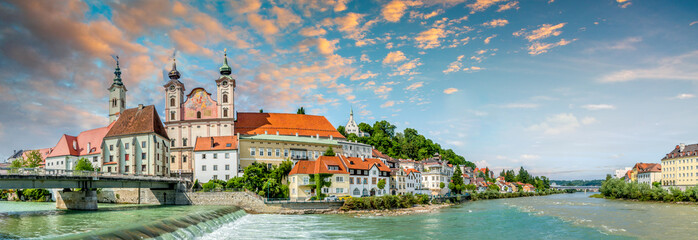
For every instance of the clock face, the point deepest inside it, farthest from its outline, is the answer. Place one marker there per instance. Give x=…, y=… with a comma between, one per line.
x=172, y=88
x=225, y=83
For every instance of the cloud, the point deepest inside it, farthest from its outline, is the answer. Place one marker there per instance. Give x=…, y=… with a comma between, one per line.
x=520, y=105
x=560, y=123
x=593, y=107
x=488, y=39
x=450, y=90
x=430, y=38
x=324, y=46
x=415, y=14
x=393, y=11
x=529, y=156
x=509, y=5
x=285, y=17
x=625, y=44
x=454, y=66
x=312, y=31
x=623, y=3
x=350, y=25
x=394, y=57
x=414, y=86
x=246, y=6
x=537, y=48
x=264, y=26
x=693, y=23
x=682, y=67
x=684, y=96
x=388, y=104
x=406, y=68
x=362, y=76
x=481, y=5
x=496, y=23
x=364, y=58
x=544, y=31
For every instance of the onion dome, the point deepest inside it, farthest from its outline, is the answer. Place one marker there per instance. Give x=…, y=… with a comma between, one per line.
x=117, y=74
x=225, y=69
x=174, y=74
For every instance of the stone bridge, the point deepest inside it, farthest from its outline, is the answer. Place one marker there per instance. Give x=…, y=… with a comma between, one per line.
x=86, y=198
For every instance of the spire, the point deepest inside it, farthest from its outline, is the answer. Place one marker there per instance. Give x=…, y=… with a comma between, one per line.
x=117, y=74
x=352, y=111
x=174, y=74
x=225, y=69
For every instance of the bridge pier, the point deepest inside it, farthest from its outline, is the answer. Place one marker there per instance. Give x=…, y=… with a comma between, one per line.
x=80, y=200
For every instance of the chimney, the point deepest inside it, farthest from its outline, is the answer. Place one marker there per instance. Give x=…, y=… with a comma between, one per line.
x=140, y=106
x=265, y=132
x=681, y=147
x=277, y=133
x=330, y=137
x=317, y=136
x=296, y=134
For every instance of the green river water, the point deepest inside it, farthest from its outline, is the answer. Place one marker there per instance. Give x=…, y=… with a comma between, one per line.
x=562, y=216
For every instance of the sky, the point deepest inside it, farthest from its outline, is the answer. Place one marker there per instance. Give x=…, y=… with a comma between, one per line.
x=566, y=89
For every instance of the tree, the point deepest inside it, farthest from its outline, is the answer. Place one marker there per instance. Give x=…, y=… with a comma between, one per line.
x=342, y=130
x=442, y=185
x=329, y=152
x=493, y=187
x=457, y=184
x=84, y=165
x=381, y=184
x=320, y=183
x=301, y=111
x=608, y=176
x=261, y=110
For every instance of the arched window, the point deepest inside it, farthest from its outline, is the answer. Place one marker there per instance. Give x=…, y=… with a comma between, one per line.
x=365, y=192
x=225, y=112
x=198, y=114
x=356, y=191
x=172, y=102
x=172, y=116
x=225, y=98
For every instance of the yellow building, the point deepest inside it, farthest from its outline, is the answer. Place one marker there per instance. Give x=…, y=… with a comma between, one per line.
x=680, y=166
x=301, y=181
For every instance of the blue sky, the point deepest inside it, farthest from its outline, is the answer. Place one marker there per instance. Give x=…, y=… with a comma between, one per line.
x=567, y=89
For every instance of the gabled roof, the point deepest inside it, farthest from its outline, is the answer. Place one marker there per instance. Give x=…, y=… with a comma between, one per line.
x=216, y=143
x=319, y=166
x=378, y=154
x=688, y=150
x=64, y=147
x=86, y=143
x=138, y=120
x=285, y=124
x=364, y=164
x=648, y=167
x=410, y=170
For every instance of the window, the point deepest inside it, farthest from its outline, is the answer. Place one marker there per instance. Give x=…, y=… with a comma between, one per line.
x=172, y=102
x=94, y=159
x=172, y=143
x=111, y=158
x=108, y=169
x=126, y=168
x=143, y=144
x=269, y=152
x=268, y=165
x=203, y=168
x=252, y=151
x=339, y=190
x=126, y=146
x=172, y=115
x=261, y=152
x=373, y=180
x=198, y=114
x=173, y=159
x=227, y=177
x=111, y=147
x=227, y=167
x=225, y=98
x=356, y=191
x=203, y=156
x=215, y=156
x=339, y=179
x=365, y=180
x=278, y=152
x=285, y=152
x=184, y=142
x=215, y=167
x=184, y=159
x=126, y=157
x=351, y=180
x=227, y=155
x=306, y=180
x=225, y=112
x=325, y=190
x=143, y=155
x=215, y=177
x=143, y=168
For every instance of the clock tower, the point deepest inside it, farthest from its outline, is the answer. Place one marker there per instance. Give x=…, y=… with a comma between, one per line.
x=174, y=90
x=117, y=95
x=225, y=91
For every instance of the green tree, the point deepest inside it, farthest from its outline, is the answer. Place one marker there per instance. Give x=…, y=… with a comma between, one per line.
x=84, y=165
x=301, y=111
x=381, y=184
x=342, y=130
x=442, y=185
x=329, y=152
x=261, y=110
x=321, y=180
x=493, y=187
x=457, y=185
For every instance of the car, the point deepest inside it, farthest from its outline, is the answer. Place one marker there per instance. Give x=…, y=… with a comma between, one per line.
x=331, y=198
x=344, y=198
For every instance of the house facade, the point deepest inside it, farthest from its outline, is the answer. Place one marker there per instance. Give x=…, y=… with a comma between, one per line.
x=680, y=166
x=216, y=158
x=365, y=174
x=355, y=149
x=648, y=173
x=302, y=178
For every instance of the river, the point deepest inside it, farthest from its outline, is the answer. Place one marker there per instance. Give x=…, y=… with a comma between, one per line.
x=562, y=216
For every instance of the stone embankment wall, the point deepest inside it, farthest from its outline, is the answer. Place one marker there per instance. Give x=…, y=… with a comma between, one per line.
x=132, y=195
x=251, y=203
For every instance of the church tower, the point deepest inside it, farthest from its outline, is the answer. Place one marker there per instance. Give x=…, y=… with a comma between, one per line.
x=174, y=91
x=225, y=91
x=117, y=95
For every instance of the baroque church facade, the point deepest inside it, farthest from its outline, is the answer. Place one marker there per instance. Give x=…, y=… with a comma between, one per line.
x=197, y=116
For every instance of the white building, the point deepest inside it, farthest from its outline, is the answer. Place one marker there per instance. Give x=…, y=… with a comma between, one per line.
x=649, y=173
x=352, y=127
x=216, y=158
x=413, y=181
x=355, y=149
x=364, y=176
x=620, y=173
x=437, y=172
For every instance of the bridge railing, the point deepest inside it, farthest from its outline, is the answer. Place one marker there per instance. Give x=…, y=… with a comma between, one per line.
x=74, y=173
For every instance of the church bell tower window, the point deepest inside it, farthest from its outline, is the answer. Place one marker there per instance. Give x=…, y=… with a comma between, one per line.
x=198, y=114
x=225, y=98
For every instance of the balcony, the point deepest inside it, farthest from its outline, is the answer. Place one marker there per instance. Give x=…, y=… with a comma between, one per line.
x=299, y=157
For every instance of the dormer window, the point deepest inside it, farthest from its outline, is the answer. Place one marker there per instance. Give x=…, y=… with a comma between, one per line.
x=75, y=145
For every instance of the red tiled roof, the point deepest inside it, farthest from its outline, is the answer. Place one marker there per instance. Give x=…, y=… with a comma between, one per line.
x=410, y=170
x=216, y=143
x=64, y=147
x=319, y=166
x=78, y=146
x=285, y=124
x=378, y=154
x=365, y=164
x=136, y=120
x=648, y=167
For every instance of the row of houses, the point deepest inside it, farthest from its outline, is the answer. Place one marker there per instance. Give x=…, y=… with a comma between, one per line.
x=678, y=168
